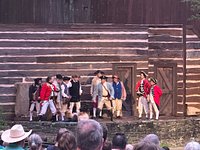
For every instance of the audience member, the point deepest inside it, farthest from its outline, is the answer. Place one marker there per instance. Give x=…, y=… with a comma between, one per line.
x=15, y=137
x=165, y=148
x=59, y=135
x=89, y=135
x=67, y=141
x=146, y=146
x=35, y=142
x=192, y=146
x=152, y=138
x=119, y=141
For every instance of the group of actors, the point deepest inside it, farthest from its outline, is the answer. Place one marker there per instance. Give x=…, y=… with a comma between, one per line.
x=62, y=95
x=149, y=94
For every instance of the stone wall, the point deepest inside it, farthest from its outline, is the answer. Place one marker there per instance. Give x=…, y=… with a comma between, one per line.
x=173, y=133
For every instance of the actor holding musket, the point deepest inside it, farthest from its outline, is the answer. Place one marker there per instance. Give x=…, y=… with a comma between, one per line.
x=119, y=95
x=154, y=98
x=142, y=89
x=105, y=94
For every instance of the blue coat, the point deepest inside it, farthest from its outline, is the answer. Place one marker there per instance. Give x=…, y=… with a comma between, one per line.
x=99, y=90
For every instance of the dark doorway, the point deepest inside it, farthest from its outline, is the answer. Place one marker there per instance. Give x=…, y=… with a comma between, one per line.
x=127, y=74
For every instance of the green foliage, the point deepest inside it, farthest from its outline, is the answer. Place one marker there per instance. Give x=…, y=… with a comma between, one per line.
x=195, y=8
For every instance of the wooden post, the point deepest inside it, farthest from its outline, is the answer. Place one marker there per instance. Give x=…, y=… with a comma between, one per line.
x=184, y=61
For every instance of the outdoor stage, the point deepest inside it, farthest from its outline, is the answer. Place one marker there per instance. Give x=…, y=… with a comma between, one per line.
x=173, y=132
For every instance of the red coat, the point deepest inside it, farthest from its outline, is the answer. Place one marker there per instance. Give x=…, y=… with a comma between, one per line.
x=146, y=87
x=46, y=91
x=157, y=94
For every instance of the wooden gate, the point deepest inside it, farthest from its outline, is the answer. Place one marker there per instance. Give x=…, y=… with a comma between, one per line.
x=127, y=74
x=166, y=73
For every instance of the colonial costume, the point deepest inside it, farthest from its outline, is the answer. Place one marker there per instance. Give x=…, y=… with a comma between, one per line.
x=75, y=91
x=34, y=96
x=46, y=96
x=142, y=89
x=95, y=81
x=65, y=102
x=155, y=94
x=119, y=95
x=105, y=93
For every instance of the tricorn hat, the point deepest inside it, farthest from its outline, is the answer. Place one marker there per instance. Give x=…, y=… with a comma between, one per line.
x=103, y=77
x=144, y=73
x=15, y=134
x=154, y=80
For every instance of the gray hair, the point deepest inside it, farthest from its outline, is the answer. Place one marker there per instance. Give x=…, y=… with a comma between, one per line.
x=89, y=135
x=152, y=138
x=192, y=146
x=35, y=142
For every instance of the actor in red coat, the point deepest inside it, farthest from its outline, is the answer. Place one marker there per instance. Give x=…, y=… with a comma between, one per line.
x=142, y=89
x=155, y=94
x=46, y=96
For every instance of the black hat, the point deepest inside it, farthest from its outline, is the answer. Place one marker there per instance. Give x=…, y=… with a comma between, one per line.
x=103, y=77
x=154, y=80
x=37, y=80
x=59, y=76
x=98, y=71
x=66, y=78
x=144, y=73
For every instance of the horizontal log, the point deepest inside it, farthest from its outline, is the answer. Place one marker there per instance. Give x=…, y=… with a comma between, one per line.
x=58, y=59
x=61, y=51
x=189, y=91
x=47, y=72
x=94, y=66
x=74, y=36
x=10, y=80
x=7, y=108
x=193, y=54
x=193, y=62
x=195, y=99
x=164, y=37
x=172, y=46
x=72, y=44
x=193, y=70
x=193, y=77
x=7, y=90
x=165, y=54
x=193, y=45
x=17, y=59
x=159, y=31
x=7, y=99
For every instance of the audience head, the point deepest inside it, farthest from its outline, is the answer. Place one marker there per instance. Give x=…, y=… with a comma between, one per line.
x=60, y=132
x=152, y=138
x=15, y=135
x=119, y=141
x=67, y=141
x=76, y=77
x=165, y=148
x=146, y=146
x=35, y=142
x=192, y=146
x=89, y=135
